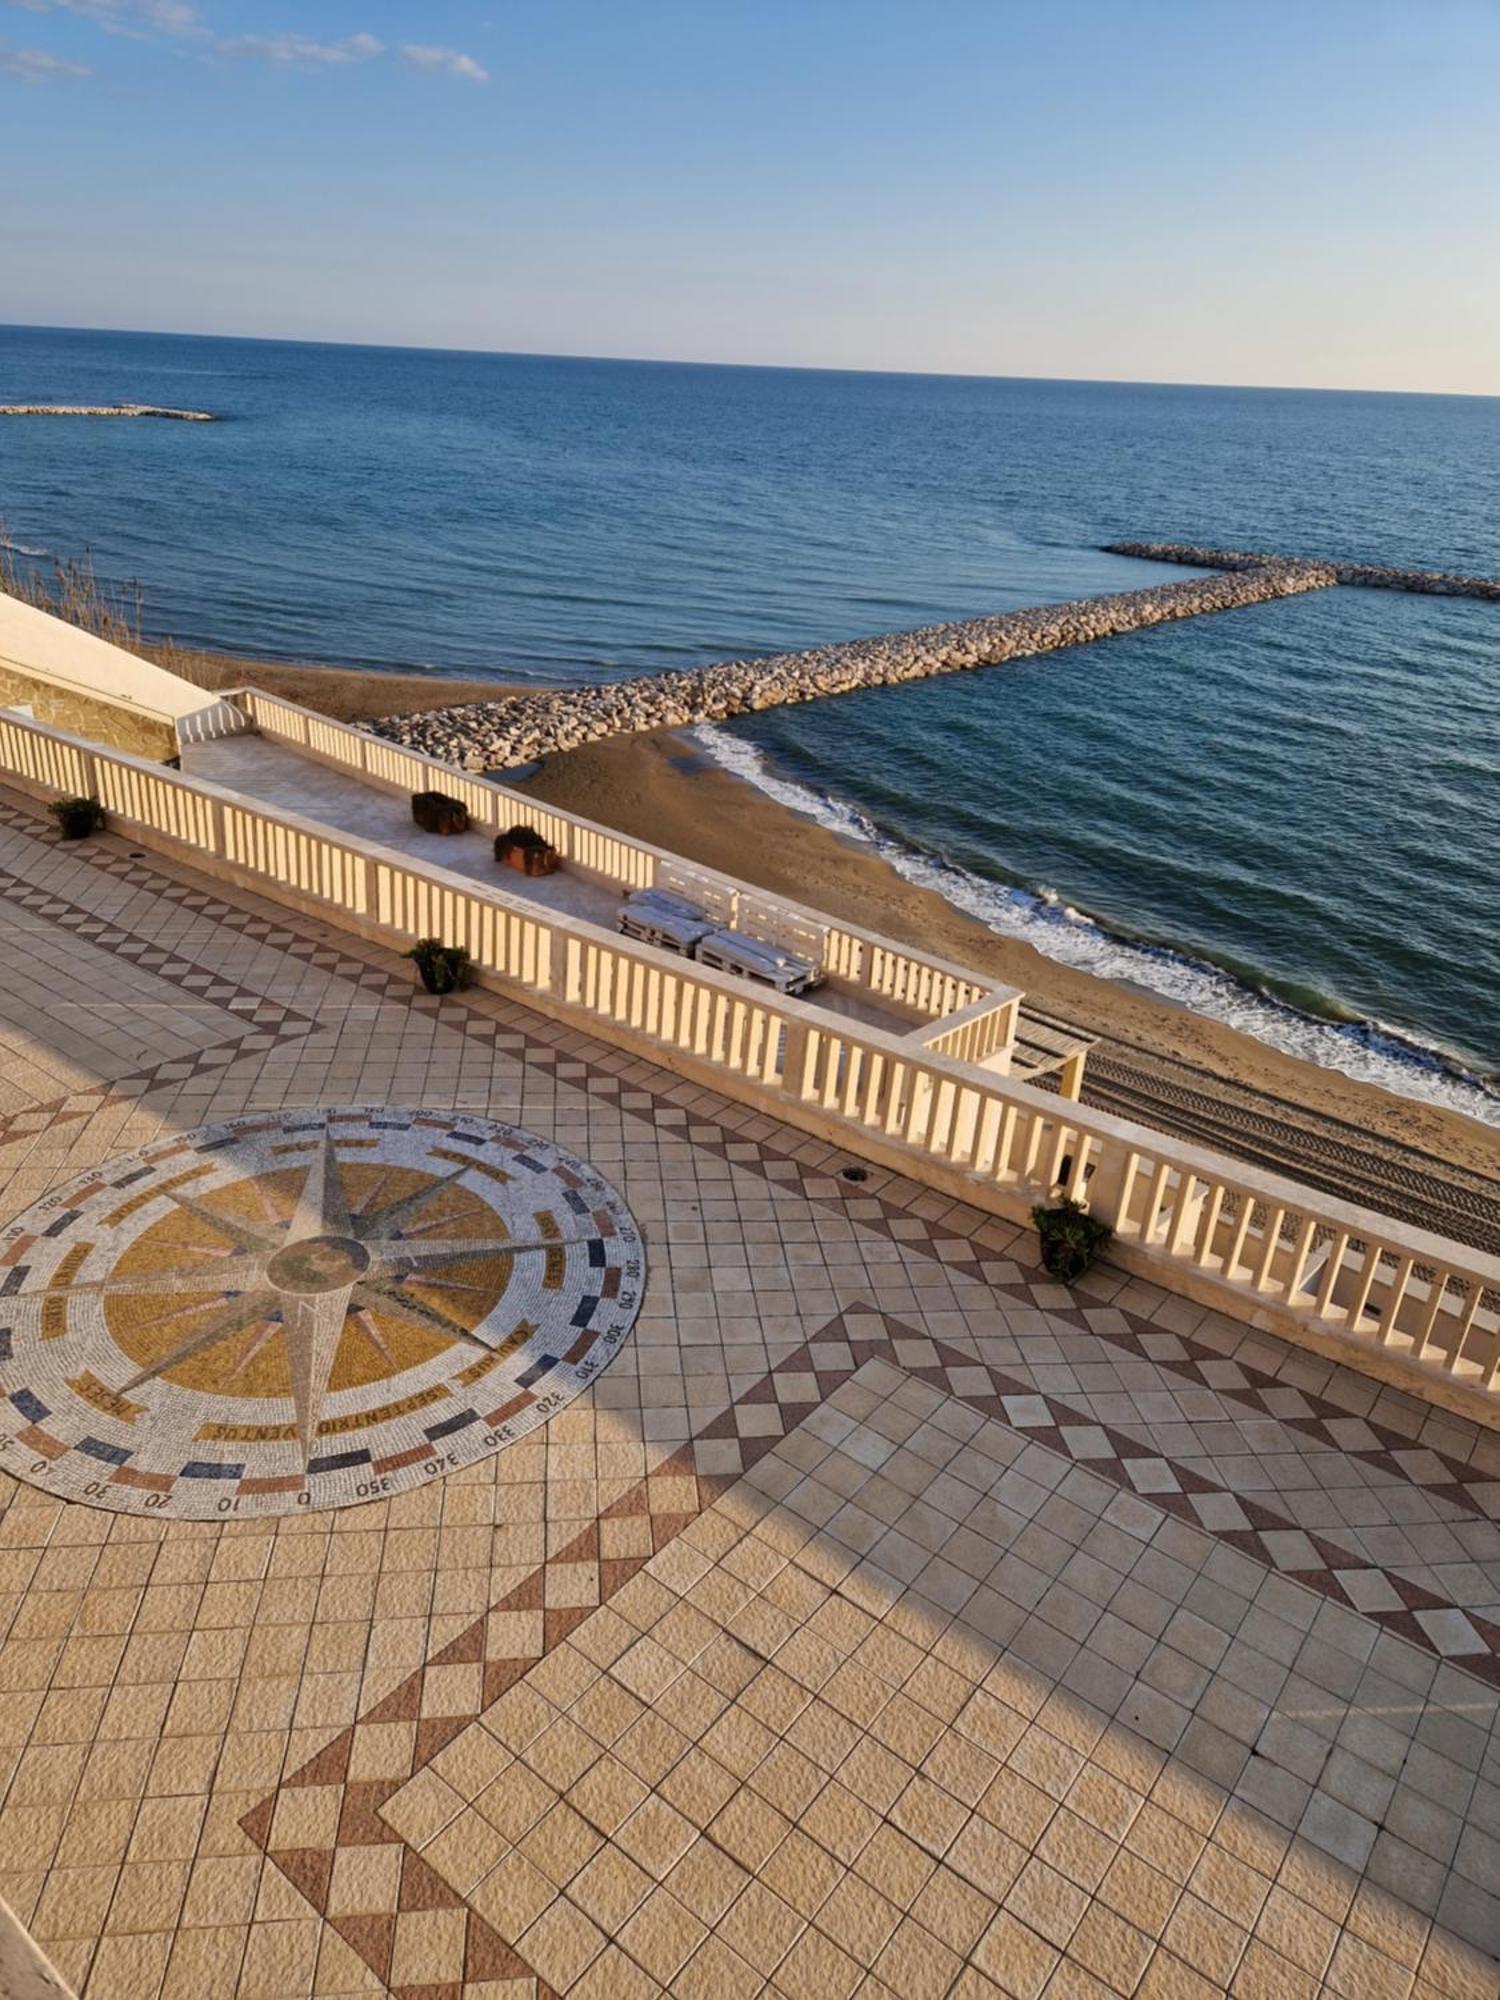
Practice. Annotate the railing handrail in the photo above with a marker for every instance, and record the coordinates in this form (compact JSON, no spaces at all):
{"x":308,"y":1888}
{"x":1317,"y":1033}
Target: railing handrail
{"x":944,"y":968}
{"x":962,"y":1017}
{"x":1183,"y":1157}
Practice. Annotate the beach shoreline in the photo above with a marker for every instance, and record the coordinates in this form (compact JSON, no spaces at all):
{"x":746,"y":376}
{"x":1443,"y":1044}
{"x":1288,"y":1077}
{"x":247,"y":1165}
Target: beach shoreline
{"x":661,"y":787}
{"x":346,"y":694}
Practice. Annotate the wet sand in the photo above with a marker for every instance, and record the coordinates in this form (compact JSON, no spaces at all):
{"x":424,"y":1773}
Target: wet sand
{"x":659,"y":788}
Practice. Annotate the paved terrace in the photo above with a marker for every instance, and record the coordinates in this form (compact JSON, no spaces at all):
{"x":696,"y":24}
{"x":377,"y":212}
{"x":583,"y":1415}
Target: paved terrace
{"x":881,"y":1619}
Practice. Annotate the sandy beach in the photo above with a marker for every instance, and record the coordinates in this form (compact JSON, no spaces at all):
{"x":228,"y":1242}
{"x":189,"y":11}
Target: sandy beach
{"x":348,"y":694}
{"x":1154,"y":1058}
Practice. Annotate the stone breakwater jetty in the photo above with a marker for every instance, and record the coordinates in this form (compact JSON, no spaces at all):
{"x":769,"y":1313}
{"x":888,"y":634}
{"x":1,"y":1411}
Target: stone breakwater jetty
{"x":1369,"y":576}
{"x":493,"y":735}
{"x":105,"y":410}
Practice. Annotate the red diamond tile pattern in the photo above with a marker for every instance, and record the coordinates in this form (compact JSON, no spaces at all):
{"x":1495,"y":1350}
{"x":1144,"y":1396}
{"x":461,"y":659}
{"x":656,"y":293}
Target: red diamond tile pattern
{"x":607,"y":1554}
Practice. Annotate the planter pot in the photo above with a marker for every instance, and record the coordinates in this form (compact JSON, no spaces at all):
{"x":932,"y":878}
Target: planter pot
{"x":78,"y":818}
{"x":524,"y":849}
{"x":442,"y":968}
{"x":435,"y":812}
{"x":533,"y":860}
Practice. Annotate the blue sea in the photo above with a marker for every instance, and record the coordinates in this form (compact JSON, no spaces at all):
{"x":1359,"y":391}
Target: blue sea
{"x":1287,"y":817}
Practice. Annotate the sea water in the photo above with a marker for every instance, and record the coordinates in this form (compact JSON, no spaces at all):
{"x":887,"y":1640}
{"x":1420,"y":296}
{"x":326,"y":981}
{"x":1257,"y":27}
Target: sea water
{"x":1287,"y":817}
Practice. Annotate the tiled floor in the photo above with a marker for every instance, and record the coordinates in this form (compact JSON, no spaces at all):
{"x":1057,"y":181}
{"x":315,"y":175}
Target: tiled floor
{"x":881,"y":1620}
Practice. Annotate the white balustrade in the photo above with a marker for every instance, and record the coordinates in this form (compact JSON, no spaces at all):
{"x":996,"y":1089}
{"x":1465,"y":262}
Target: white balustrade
{"x":1268,"y":1248}
{"x":926,"y":987}
{"x":975,"y":1033}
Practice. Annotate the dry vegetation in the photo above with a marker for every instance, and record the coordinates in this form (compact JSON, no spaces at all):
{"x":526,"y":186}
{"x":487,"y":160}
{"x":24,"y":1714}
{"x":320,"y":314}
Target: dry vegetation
{"x":114,"y":612}
{"x":71,"y":590}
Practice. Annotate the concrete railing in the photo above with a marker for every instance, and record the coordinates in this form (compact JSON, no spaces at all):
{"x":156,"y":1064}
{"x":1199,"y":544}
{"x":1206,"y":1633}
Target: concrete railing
{"x":976,"y":1033}
{"x":900,"y":977}
{"x":1396,"y":1301}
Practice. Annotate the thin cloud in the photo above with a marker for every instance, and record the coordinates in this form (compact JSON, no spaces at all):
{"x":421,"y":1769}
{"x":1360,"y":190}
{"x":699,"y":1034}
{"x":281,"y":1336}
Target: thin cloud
{"x":443,"y":62}
{"x":124,"y":17}
{"x":181,"y":20}
{"x":299,"y":51}
{"x":37,"y":65}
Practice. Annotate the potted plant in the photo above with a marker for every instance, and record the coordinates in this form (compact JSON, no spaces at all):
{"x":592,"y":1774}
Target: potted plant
{"x":77,"y":818}
{"x":1071,"y":1238}
{"x":443,"y":967}
{"x":435,"y":812}
{"x":523,"y":848}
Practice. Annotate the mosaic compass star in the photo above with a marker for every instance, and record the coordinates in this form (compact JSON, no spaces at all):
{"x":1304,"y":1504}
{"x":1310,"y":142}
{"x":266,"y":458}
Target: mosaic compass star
{"x":305,"y":1310}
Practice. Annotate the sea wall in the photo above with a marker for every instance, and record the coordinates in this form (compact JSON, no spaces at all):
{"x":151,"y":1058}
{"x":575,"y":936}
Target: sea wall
{"x":491,"y":735}
{"x":1370,"y":576}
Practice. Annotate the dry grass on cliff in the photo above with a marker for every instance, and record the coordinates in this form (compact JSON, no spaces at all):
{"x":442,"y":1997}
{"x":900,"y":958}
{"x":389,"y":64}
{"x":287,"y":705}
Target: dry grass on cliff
{"x":72,"y":591}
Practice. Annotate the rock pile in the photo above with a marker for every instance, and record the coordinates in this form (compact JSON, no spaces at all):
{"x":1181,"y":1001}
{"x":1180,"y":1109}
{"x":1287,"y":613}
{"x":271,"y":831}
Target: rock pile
{"x":1371,"y":576}
{"x":493,"y":735}
{"x":104,"y":410}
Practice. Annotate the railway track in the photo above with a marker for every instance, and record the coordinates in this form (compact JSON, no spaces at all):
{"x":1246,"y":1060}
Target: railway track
{"x":1287,"y":1138}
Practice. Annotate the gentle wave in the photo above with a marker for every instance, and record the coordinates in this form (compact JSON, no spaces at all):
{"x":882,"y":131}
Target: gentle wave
{"x":1368,"y":1050}
{"x":1301,"y":795}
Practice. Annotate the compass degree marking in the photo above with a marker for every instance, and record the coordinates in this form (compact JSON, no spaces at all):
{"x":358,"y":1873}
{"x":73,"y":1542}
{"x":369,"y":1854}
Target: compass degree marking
{"x":301,"y":1292}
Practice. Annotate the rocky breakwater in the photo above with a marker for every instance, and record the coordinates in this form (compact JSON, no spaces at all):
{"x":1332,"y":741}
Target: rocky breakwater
{"x":1370,"y":576}
{"x":493,"y":735}
{"x":104,"y":410}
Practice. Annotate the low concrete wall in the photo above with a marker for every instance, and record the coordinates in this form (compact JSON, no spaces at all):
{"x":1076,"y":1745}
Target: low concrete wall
{"x":83,"y":684}
{"x":493,"y":735}
{"x":1368,"y":576}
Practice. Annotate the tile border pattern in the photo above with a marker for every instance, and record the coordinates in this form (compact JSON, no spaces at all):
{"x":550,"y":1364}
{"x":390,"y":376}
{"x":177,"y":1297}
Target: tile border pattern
{"x":572,"y":1584}
{"x":963,"y":1241}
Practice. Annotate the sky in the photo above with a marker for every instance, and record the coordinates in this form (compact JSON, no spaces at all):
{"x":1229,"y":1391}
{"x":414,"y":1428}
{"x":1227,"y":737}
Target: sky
{"x":1147,"y":190}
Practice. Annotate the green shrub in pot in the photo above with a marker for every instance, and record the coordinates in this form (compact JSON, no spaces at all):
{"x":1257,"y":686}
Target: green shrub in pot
{"x":77,"y":818}
{"x":1071,"y":1238}
{"x":444,"y":968}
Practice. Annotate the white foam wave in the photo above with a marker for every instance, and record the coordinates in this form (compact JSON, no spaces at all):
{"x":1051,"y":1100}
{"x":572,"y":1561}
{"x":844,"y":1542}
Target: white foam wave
{"x":1370,"y":1051}
{"x":23,"y":549}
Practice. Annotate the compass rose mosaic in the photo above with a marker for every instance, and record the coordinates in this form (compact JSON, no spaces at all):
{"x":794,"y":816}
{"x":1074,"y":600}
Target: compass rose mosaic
{"x":305,"y":1310}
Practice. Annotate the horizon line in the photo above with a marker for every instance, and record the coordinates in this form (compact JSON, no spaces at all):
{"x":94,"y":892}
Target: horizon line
{"x":763,"y":367}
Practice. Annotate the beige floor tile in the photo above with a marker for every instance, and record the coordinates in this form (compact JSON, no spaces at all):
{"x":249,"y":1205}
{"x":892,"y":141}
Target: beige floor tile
{"x":924,"y":1703}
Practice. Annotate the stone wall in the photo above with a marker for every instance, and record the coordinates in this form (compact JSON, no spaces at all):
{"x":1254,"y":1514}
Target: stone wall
{"x":1370,"y":576}
{"x":493,"y":735}
{"x":83,"y":715}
